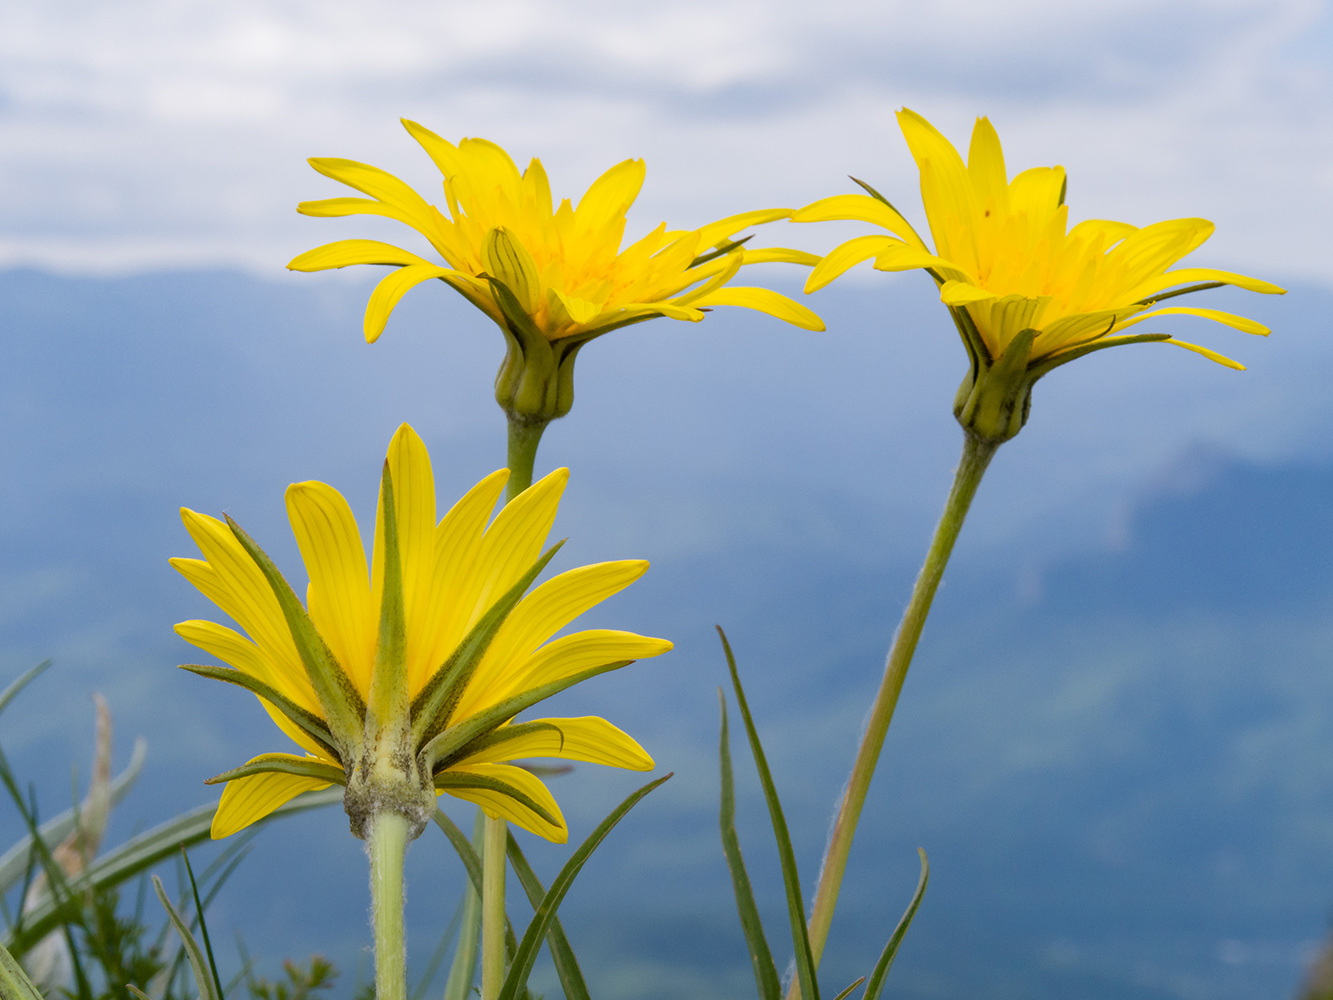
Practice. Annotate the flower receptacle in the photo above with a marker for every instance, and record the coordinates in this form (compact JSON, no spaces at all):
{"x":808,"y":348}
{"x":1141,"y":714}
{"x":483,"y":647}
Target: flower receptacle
{"x":388,"y":778}
{"x":993,"y":400}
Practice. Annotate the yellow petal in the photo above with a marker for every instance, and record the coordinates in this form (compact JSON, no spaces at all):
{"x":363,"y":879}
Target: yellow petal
{"x":1211,"y":355}
{"x":961,"y":293}
{"x":610,"y":196}
{"x":557,"y":660}
{"x":985,"y":167}
{"x":248,"y":800}
{"x":846,"y":256}
{"x":497,"y":805}
{"x":860,"y":208}
{"x":392,"y":288}
{"x":458,"y":539}
{"x":344,"y":253}
{"x":406,"y":204}
{"x":588,"y":738}
{"x":766,"y":301}
{"x":780,"y":255}
{"x":1241,"y":323}
{"x":338,"y":597}
{"x":722,"y":229}
{"x":233,"y":648}
{"x":1192,"y":275}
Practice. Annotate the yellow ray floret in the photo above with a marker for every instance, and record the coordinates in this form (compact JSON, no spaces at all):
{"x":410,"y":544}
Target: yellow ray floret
{"x":1007,"y":262}
{"x":453,"y":579}
{"x":563,"y":264}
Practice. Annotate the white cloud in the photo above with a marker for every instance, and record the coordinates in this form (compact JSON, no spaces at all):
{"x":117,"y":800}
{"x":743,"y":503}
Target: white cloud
{"x":159,"y":132}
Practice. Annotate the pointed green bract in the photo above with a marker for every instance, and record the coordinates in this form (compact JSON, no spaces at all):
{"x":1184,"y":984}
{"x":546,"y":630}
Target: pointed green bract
{"x":275,"y":763}
{"x":805,"y":963}
{"x":877,"y":978}
{"x":432,"y":706}
{"x":454,"y":742}
{"x":342,"y":706}
{"x":310,"y":723}
{"x":504,"y":734}
{"x":521,"y":967}
{"x":761,"y":957}
{"x":388,"y":686}
{"x":455,"y":779}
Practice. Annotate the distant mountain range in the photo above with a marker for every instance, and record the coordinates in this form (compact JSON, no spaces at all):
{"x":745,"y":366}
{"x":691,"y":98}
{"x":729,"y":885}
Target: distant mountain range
{"x":1116,"y":744}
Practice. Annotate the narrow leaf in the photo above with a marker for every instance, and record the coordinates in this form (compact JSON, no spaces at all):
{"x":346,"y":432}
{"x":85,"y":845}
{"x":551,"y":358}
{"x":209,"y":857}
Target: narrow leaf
{"x":844,"y":994}
{"x":431,"y":707}
{"x":890,"y":952}
{"x":15,"y":860}
{"x":24,"y":679}
{"x":203,"y":924}
{"x":765,"y":972}
{"x":388,"y":685}
{"x":207,"y":991}
{"x":567,"y":968}
{"x":471,"y":858}
{"x":521,"y":967}
{"x":805,"y":962}
{"x":148,"y":848}
{"x":463,"y":971}
{"x":14,"y":982}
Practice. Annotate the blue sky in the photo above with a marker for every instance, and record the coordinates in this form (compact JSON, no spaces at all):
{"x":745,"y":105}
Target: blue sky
{"x":161,"y":133}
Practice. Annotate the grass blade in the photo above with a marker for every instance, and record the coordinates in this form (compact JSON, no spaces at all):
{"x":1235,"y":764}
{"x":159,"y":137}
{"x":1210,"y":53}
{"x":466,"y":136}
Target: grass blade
{"x":203,"y":924}
{"x":572,"y":983}
{"x":463,"y":971}
{"x":148,"y":848}
{"x":14,"y":982}
{"x":24,"y":679}
{"x":876,"y":985}
{"x":805,"y":962}
{"x":15,"y":860}
{"x":207,"y":991}
{"x":765,"y":972}
{"x":521,"y":966}
{"x":471,"y":859}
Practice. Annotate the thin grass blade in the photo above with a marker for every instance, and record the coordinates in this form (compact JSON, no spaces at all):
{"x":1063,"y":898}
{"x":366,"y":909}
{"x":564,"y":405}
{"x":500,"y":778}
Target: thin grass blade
{"x":572,"y":983}
{"x":805,"y":962}
{"x":881,"y":971}
{"x":463,"y":971}
{"x":14,"y":982}
{"x":471,"y":859}
{"x":198,"y":963}
{"x":203,"y":924}
{"x":521,"y":967}
{"x":24,"y":679}
{"x":761,"y":957}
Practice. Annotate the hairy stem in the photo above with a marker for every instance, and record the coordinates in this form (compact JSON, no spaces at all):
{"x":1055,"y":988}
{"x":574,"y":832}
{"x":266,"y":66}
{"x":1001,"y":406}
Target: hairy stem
{"x":387,"y":847}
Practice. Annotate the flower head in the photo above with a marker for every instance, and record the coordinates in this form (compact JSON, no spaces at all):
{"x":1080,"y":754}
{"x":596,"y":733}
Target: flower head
{"x":401,"y":679}
{"x":552,"y":277}
{"x":1026,"y":292}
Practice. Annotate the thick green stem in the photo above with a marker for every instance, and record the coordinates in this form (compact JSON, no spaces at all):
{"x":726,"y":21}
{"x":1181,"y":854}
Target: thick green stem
{"x":493,"y":908}
{"x":387,"y":847}
{"x":976,"y":456}
{"x":524,"y":436}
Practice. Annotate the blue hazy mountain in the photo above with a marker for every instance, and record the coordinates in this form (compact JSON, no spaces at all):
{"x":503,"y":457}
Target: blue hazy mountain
{"x":1116,"y":743}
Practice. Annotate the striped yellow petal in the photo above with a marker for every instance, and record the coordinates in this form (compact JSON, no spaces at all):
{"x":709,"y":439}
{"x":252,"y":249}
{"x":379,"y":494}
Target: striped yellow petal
{"x":338,"y":597}
{"x":589,"y":739}
{"x":498,"y":805}
{"x":248,"y":800}
{"x":846,"y":256}
{"x":392,"y":288}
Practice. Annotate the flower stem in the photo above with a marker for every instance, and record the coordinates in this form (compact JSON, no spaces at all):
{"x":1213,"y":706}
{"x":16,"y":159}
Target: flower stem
{"x":977,"y":454}
{"x":493,"y":908}
{"x":524,"y":436}
{"x":387,"y":847}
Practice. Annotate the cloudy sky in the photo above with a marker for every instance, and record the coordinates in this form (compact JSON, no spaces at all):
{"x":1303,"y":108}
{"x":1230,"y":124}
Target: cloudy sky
{"x":151,"y":134}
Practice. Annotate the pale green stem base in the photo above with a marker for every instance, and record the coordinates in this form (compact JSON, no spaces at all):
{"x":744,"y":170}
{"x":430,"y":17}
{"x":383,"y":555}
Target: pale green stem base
{"x":387,"y":847}
{"x":976,"y":456}
{"x":493,"y":908}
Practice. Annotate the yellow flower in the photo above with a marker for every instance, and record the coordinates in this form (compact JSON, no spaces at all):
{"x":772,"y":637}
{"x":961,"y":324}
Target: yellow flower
{"x":1026,"y":292}
{"x":545,"y":274}
{"x":402,"y":680}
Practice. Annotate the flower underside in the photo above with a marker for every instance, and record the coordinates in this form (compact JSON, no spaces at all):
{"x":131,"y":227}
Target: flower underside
{"x":1009,"y":268}
{"x":563,"y":265}
{"x":401,"y":680}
